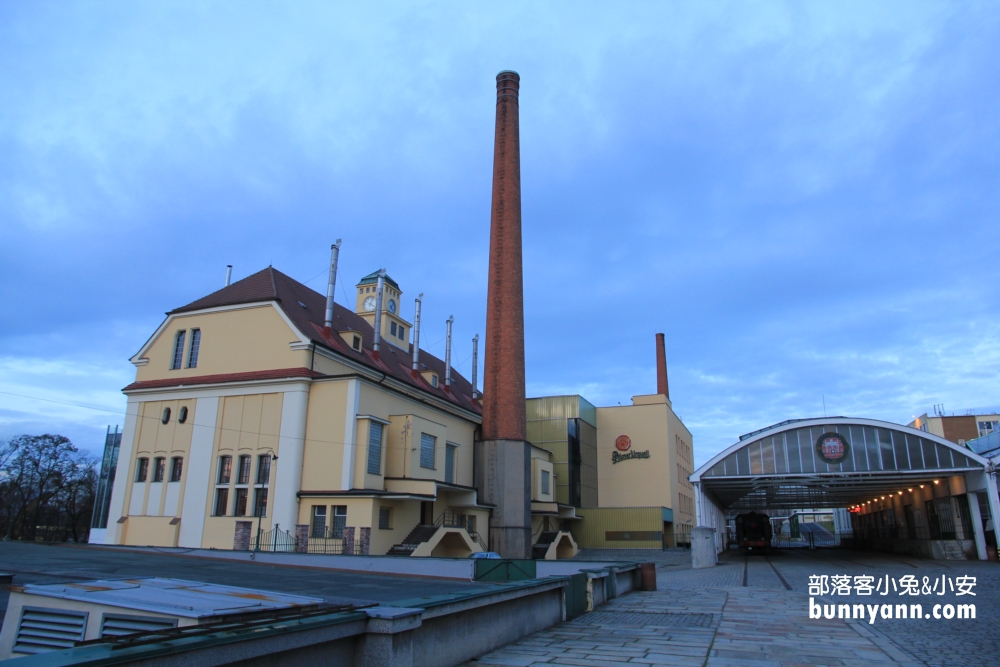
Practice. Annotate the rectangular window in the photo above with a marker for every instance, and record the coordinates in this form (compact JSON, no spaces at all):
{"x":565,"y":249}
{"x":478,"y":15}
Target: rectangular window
{"x":385,"y":518}
{"x":225,"y":469}
{"x":374,"y":448}
{"x":176,"y":468}
{"x":141,"y":469}
{"x":427,"y":445}
{"x":263,"y":469}
{"x":195,"y":344}
{"x":402,"y":333}
{"x":392,"y":328}
{"x":260,"y":502}
{"x":545,"y":482}
{"x":221,"y":502}
{"x":357,"y":343}
{"x":434,"y":380}
{"x":339,"y":521}
{"x":159,"y":468}
{"x":449,"y":463}
{"x":244,"y":471}
{"x":178,"y":357}
{"x":240,"y":506}
{"x":319,"y":521}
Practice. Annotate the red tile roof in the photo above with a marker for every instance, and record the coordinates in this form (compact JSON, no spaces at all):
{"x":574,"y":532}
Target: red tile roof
{"x":306,"y":308}
{"x":274,"y":374}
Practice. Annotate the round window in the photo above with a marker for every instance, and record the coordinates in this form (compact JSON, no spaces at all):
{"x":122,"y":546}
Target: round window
{"x":182,"y":415}
{"x":166,"y":415}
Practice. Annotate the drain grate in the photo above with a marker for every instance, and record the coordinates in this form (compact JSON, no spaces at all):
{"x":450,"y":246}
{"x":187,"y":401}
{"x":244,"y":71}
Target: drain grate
{"x":643,"y":619}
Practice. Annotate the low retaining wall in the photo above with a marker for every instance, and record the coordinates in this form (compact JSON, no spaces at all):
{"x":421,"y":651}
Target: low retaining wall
{"x":445,"y":630}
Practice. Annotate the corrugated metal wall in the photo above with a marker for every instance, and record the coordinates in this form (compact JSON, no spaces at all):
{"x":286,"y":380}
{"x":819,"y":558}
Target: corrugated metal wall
{"x":620,"y":528}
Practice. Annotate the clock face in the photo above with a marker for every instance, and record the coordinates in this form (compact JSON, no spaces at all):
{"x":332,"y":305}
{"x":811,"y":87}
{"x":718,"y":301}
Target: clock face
{"x":369,"y":304}
{"x":392,"y":306}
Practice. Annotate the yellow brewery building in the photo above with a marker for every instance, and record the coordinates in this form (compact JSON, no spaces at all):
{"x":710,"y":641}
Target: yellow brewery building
{"x":266,"y":415}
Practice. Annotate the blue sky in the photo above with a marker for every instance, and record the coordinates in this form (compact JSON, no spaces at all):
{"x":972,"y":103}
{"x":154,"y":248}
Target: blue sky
{"x":803,"y":197}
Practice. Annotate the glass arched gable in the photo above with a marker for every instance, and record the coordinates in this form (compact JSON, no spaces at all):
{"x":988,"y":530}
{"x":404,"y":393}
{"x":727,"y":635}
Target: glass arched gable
{"x":871,"y":447}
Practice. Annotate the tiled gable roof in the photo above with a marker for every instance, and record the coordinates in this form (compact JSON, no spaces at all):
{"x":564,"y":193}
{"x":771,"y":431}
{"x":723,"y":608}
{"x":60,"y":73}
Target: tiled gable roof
{"x":306,"y":308}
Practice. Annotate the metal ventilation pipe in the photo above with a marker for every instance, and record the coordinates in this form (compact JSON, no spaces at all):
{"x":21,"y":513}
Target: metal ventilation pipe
{"x":378,"y":312}
{"x":416,"y":333}
{"x":330,"y":285}
{"x":475,"y":365}
{"x":447,"y":352}
{"x":229,"y":275}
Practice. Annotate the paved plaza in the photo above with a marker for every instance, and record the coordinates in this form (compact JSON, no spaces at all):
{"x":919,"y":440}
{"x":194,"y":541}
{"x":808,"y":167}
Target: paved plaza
{"x":754,"y":612}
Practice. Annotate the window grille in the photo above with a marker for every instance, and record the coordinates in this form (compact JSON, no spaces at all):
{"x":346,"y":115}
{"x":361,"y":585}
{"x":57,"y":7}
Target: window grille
{"x":176,"y":467}
{"x":116,"y":625}
{"x":427,"y":445}
{"x":225,"y":469}
{"x":244,"y":476}
{"x":159,"y":468}
{"x":319,"y":521}
{"x":221,"y":502}
{"x":195,"y":344}
{"x":41,"y":629}
{"x":240,"y":507}
{"x":263,"y":469}
{"x":339,"y":521}
{"x":449,"y":463}
{"x":178,"y":358}
{"x":374,"y":448}
{"x":384,"y":516}
{"x":260,"y":502}
{"x":141,"y":469}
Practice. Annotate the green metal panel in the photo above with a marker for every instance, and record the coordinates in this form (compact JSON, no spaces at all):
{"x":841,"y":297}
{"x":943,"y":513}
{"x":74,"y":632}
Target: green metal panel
{"x":505,"y":570}
{"x":668,"y":514}
{"x":586,"y":411}
{"x":576,"y":595}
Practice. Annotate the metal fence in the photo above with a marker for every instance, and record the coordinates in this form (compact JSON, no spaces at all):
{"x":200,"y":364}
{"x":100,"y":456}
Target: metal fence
{"x":332,"y":545}
{"x":275,"y":539}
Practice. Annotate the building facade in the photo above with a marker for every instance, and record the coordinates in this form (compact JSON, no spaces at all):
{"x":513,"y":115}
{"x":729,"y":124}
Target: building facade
{"x":246,"y":407}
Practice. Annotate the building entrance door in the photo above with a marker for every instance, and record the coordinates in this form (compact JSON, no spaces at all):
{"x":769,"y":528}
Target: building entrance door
{"x":426,"y":513}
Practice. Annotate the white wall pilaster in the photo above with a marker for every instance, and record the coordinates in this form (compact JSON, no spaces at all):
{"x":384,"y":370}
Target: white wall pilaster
{"x":350,"y":434}
{"x":123,"y":473}
{"x":197,"y":488}
{"x":291,"y":449}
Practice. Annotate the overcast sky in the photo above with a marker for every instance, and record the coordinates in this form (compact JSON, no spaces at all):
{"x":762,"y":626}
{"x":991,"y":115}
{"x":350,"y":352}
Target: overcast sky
{"x":803,"y":197}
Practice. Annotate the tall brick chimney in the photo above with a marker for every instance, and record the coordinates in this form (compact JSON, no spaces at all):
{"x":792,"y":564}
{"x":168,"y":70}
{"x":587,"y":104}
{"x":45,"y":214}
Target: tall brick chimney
{"x":503,"y":458}
{"x":661,"y":367}
{"x":503,"y":372}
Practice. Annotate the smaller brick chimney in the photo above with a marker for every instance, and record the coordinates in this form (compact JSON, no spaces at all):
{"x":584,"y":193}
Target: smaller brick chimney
{"x":661,"y":367}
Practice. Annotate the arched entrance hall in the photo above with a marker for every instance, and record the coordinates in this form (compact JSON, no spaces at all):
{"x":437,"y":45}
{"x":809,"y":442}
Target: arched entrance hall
{"x":902,"y":486}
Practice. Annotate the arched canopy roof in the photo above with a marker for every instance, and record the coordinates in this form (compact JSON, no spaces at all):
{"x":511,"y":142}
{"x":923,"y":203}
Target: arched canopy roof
{"x":783,"y":466}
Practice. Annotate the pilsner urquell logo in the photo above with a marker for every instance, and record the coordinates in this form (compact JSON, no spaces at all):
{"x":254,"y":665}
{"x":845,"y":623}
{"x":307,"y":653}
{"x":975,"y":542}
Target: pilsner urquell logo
{"x":622,"y":443}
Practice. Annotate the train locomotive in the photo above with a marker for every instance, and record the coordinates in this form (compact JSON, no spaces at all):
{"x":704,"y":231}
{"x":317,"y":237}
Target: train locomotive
{"x":753,"y":532}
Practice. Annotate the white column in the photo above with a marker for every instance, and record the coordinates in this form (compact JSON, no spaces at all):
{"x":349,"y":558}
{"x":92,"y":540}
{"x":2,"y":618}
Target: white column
{"x":991,"y":493}
{"x":977,"y":524}
{"x":291,"y":451}
{"x":123,"y":473}
{"x":198,"y":486}
{"x":350,"y":434}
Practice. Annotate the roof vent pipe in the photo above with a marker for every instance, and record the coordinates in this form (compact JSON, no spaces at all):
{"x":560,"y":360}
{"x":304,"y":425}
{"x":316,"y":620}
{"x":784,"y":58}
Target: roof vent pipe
{"x":229,"y":275}
{"x":416,"y":333}
{"x":330,"y":285}
{"x":447,"y":353}
{"x":378,"y":312}
{"x":475,"y":366}
{"x":661,"y":367}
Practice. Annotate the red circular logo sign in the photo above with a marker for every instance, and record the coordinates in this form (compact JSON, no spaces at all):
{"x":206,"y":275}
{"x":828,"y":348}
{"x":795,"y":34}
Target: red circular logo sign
{"x":622,"y":443}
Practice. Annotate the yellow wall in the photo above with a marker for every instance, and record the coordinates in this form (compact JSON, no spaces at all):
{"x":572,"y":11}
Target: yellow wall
{"x":636,"y":482}
{"x":323,"y":458}
{"x":263,"y":337}
{"x":245,"y":425}
{"x":154,"y":531}
{"x":592,"y":532}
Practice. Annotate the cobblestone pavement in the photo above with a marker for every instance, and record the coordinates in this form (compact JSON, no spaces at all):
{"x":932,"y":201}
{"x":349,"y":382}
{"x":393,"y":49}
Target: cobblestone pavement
{"x":754,"y":612}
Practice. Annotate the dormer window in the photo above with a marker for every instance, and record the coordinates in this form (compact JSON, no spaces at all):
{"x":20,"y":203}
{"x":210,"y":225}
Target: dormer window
{"x":434,"y":380}
{"x":356,"y":343}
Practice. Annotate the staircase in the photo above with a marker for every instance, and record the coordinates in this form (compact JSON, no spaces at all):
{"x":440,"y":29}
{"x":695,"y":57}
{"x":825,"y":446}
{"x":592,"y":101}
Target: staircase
{"x":545,"y":540}
{"x":952,"y":550}
{"x":417,"y":536}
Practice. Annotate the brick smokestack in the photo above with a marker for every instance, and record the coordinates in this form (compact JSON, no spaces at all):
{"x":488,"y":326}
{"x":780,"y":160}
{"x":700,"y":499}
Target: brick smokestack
{"x":503,"y":367}
{"x":661,"y":367}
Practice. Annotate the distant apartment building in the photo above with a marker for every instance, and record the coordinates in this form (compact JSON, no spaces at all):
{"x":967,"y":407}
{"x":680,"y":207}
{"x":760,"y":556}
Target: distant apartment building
{"x":958,"y":428}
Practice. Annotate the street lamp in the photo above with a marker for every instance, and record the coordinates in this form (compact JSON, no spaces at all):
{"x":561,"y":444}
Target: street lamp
{"x":259,"y":507}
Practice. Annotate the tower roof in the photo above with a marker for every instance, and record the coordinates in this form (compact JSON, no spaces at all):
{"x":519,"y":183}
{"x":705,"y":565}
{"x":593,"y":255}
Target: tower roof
{"x":372,"y":278}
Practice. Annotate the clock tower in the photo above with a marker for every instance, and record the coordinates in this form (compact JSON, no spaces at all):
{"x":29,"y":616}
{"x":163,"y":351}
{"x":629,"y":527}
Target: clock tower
{"x":395,"y":330}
